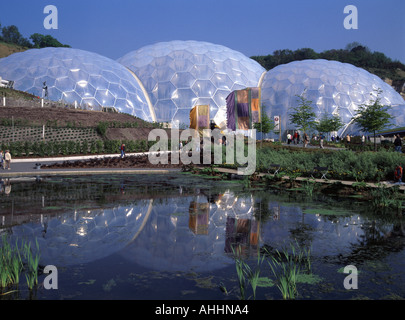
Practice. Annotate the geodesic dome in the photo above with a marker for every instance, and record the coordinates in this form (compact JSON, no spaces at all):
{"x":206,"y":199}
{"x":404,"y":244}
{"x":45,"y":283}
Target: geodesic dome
{"x":73,"y":75}
{"x":179,"y":75}
{"x":333,"y":87}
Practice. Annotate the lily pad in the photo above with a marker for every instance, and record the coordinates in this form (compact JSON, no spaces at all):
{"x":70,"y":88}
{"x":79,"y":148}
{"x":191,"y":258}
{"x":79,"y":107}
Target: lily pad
{"x":265,"y":282}
{"x":308,"y":278}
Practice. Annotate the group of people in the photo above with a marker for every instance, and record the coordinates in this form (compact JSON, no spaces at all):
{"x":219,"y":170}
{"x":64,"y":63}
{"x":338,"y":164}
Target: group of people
{"x":5,"y":160}
{"x":295,"y":138}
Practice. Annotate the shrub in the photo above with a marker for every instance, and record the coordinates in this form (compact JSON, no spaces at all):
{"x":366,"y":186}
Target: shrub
{"x":102,"y":127}
{"x":344,"y":164}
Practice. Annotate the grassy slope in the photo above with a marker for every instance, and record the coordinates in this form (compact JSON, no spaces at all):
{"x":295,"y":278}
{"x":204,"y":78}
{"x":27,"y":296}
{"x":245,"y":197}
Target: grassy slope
{"x":6,"y":49}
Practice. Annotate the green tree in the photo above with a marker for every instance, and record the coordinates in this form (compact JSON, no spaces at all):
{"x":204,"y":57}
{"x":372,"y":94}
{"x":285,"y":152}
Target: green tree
{"x":303,"y":115}
{"x":266,"y":125}
{"x":44,"y":41}
{"x":12,"y":35}
{"x":329,"y":123}
{"x":373,"y":117}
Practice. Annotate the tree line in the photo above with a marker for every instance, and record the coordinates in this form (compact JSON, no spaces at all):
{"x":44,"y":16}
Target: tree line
{"x":354,"y":53}
{"x":11,"y":34}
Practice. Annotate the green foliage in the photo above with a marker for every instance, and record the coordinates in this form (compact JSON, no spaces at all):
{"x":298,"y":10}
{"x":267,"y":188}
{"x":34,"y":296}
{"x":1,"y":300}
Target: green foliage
{"x":43,"y":41}
{"x":373,"y":117}
{"x":71,"y":147}
{"x":102,"y":127}
{"x":329,"y":123}
{"x":303,"y":115}
{"x":17,"y":259}
{"x":343,"y":164}
{"x":266,"y":125}
{"x":11,"y":34}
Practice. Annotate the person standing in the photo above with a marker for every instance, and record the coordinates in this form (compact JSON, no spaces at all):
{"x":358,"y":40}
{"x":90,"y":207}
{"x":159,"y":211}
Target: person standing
{"x":398,"y":143}
{"x":288,"y":138}
{"x":122,"y":150}
{"x":295,"y":137}
{"x":321,"y":138}
{"x":7,"y":159}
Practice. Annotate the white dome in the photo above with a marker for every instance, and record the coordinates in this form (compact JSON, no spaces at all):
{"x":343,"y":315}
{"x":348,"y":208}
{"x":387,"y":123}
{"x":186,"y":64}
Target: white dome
{"x":179,"y":75}
{"x":333,"y":87}
{"x":73,"y":75}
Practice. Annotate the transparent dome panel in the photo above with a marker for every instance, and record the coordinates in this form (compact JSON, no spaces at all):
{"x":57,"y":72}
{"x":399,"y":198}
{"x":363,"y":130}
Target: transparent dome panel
{"x":69,"y":71}
{"x":189,"y":66}
{"x":330,"y":85}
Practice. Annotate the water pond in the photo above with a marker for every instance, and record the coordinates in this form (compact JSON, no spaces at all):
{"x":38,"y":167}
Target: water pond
{"x":183,"y":237}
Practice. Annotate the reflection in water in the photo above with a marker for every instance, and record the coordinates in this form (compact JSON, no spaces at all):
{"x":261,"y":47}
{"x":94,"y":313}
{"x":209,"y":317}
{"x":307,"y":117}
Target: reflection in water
{"x":84,"y":236}
{"x":184,"y":225}
{"x":192,"y":233}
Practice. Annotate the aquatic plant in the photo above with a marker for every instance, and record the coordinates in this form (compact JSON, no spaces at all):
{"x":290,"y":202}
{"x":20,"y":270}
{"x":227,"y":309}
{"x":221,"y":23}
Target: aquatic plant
{"x":309,"y":186}
{"x":247,"y":275}
{"x":17,"y":259}
{"x":287,"y":267}
{"x":383,"y":196}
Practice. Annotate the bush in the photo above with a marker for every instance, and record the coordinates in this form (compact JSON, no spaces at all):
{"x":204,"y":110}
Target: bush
{"x":343,"y":165}
{"x":102,"y":127}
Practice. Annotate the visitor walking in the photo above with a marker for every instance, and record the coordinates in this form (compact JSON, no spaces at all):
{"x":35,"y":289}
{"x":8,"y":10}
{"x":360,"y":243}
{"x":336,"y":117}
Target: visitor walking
{"x":2,"y":163}
{"x":298,"y":137}
{"x":398,"y":143}
{"x":7,"y":158}
{"x":295,"y":137}
{"x":321,"y":138}
{"x":306,"y":140}
{"x":122,"y":151}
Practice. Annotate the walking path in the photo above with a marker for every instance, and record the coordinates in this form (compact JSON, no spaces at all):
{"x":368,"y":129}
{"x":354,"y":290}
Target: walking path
{"x":29,"y":167}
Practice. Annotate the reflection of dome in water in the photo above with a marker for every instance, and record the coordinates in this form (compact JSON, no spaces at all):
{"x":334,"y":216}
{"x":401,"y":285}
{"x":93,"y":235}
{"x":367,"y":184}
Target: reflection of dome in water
{"x":179,"y":75}
{"x":333,"y":87}
{"x":85,"y":236}
{"x":73,"y":75}
{"x":185,"y":234}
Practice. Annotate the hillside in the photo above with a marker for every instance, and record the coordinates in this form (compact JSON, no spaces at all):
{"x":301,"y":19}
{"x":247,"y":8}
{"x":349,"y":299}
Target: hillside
{"x":28,"y":122}
{"x":392,"y":72}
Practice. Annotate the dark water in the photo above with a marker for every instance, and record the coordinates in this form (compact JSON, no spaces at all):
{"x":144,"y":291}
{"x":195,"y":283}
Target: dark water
{"x":174,"y":237}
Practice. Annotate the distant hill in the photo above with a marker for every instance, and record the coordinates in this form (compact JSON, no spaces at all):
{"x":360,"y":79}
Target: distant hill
{"x":392,"y":72}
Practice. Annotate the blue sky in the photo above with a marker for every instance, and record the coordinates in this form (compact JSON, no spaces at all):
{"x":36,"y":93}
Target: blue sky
{"x":253,"y":27}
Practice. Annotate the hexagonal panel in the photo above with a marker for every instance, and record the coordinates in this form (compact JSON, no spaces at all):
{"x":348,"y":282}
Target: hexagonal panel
{"x":330,"y":85}
{"x":77,"y":73}
{"x":193,"y":64}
